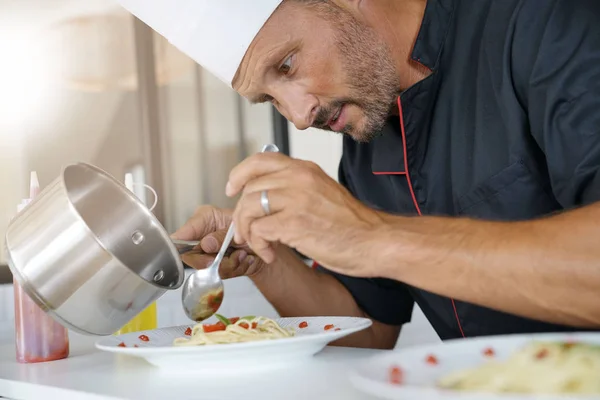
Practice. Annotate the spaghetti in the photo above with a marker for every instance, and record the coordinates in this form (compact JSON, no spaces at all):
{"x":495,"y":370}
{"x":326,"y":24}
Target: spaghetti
{"x":248,"y":329}
{"x":538,"y":368}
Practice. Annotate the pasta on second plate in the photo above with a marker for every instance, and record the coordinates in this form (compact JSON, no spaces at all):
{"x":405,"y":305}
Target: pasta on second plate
{"x":538,"y":368}
{"x":247,"y":329}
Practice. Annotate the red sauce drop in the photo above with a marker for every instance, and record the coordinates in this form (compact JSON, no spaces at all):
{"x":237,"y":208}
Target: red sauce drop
{"x":188,"y":332}
{"x":337,"y":329}
{"x":396,"y":375}
{"x":543,"y":353}
{"x":122,"y":344}
{"x":489,"y":352}
{"x":328,"y":327}
{"x":303,"y":325}
{"x":144,"y":338}
{"x":135,"y":345}
{"x":432,"y":360}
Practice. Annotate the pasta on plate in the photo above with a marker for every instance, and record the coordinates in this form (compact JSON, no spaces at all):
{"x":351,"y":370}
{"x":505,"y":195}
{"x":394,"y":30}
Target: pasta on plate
{"x":538,"y":368}
{"x":247,"y":329}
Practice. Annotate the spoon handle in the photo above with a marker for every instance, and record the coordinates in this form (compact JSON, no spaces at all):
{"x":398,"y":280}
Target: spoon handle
{"x":225,"y":245}
{"x":269,"y":148}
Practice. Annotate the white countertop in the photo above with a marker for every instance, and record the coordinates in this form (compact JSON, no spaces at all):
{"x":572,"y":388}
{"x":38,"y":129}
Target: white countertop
{"x":91,"y":374}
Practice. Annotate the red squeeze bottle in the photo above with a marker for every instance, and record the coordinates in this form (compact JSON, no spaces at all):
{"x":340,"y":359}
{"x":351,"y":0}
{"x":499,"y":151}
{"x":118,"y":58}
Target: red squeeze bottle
{"x":38,"y":337}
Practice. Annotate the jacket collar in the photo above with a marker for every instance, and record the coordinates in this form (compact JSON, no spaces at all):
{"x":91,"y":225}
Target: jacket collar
{"x":388,"y":148}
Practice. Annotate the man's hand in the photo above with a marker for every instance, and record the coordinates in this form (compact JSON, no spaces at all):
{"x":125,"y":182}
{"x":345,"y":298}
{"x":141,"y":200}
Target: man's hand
{"x":209,"y":225}
{"x":309,"y":212}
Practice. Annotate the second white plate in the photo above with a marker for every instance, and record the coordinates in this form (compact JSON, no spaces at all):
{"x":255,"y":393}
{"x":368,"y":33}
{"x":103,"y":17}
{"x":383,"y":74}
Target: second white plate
{"x":422,"y":367}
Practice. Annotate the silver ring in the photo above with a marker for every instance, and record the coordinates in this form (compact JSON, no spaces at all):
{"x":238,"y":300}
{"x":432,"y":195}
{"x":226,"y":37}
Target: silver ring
{"x":264,"y":202}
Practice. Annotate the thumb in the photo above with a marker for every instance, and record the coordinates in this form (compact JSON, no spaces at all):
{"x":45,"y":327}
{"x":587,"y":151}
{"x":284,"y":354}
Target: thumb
{"x":212,"y":242}
{"x":206,"y":220}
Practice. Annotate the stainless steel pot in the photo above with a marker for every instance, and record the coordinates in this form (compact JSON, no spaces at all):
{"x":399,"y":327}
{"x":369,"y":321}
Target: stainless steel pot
{"x":90,"y":253}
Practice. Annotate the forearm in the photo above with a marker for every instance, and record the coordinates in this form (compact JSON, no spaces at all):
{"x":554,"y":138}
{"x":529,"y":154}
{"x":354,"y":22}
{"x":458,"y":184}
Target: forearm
{"x":547,"y":269}
{"x":296,"y":290}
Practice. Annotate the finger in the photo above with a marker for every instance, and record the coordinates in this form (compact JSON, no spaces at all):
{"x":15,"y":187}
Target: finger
{"x":263,"y":248}
{"x":234,"y":265}
{"x":254,"y":167}
{"x":206,"y":220}
{"x":274,"y":228}
{"x":239,"y":263}
{"x":212,"y":242}
{"x":198,"y":260}
{"x":278,"y":180}
{"x":249,"y":210}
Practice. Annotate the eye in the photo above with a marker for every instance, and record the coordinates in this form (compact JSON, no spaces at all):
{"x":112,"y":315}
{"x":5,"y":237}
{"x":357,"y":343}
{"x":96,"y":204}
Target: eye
{"x":286,"y":67}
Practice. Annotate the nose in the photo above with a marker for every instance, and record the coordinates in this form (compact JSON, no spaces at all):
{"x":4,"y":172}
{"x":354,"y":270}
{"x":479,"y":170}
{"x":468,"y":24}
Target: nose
{"x":298,"y":107}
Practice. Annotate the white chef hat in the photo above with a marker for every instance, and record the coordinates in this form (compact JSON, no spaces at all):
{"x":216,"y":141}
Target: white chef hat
{"x":214,"y":33}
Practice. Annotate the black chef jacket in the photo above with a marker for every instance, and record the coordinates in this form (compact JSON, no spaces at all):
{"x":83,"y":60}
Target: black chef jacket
{"x":507,"y":127}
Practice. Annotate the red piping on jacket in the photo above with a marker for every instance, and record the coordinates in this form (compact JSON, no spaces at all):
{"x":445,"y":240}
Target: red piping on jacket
{"x":412,"y":193}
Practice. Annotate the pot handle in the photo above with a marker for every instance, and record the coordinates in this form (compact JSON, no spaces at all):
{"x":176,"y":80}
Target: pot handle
{"x":151,"y":189}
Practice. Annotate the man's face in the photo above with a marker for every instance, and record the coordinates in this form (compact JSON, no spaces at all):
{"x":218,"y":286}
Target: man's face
{"x":323,"y":68}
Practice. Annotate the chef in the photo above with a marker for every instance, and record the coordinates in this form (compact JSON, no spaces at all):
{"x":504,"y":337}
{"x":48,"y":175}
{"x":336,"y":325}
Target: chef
{"x":470,"y":176}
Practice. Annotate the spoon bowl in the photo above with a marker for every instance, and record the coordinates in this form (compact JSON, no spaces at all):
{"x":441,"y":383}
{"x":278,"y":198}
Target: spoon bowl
{"x":203,"y":291}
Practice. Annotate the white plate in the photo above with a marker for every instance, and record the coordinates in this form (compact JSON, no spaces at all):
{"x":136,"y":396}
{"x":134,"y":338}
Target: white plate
{"x":159,"y":349}
{"x":420,"y":377}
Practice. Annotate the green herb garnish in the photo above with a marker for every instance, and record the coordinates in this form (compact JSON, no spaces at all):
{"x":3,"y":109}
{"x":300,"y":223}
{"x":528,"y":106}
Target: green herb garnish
{"x":223,"y":319}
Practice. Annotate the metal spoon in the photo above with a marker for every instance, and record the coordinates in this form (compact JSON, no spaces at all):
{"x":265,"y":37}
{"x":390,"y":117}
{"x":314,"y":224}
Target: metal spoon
{"x":203,"y":290}
{"x":185,"y":246}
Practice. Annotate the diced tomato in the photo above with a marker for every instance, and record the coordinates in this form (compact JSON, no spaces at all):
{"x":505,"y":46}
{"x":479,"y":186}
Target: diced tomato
{"x":432,"y":360}
{"x":489,"y":352}
{"x":328,"y":327}
{"x":254,"y":325}
{"x":219,"y":326}
{"x":144,"y":338}
{"x":303,"y":325}
{"x":244,"y":325}
{"x":234,"y":320}
{"x":122,"y":344}
{"x":215,"y":301}
{"x":543,"y":353}
{"x":188,"y":331}
{"x":396,"y":375}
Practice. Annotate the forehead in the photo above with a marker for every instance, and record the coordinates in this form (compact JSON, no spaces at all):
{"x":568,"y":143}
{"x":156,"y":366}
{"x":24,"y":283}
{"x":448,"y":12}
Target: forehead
{"x":290,"y":26}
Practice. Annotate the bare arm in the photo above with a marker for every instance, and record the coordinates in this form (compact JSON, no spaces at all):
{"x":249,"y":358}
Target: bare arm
{"x":296,"y":290}
{"x":546,"y":269}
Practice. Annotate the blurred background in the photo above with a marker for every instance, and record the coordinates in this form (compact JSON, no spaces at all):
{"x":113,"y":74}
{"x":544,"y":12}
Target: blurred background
{"x":83,"y":81}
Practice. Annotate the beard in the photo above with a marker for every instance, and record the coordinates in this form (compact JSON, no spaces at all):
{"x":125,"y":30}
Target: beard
{"x":370,"y":75}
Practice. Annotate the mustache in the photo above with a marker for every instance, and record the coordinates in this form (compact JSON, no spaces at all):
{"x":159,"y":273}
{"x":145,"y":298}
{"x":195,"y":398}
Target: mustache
{"x":327,"y":112}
